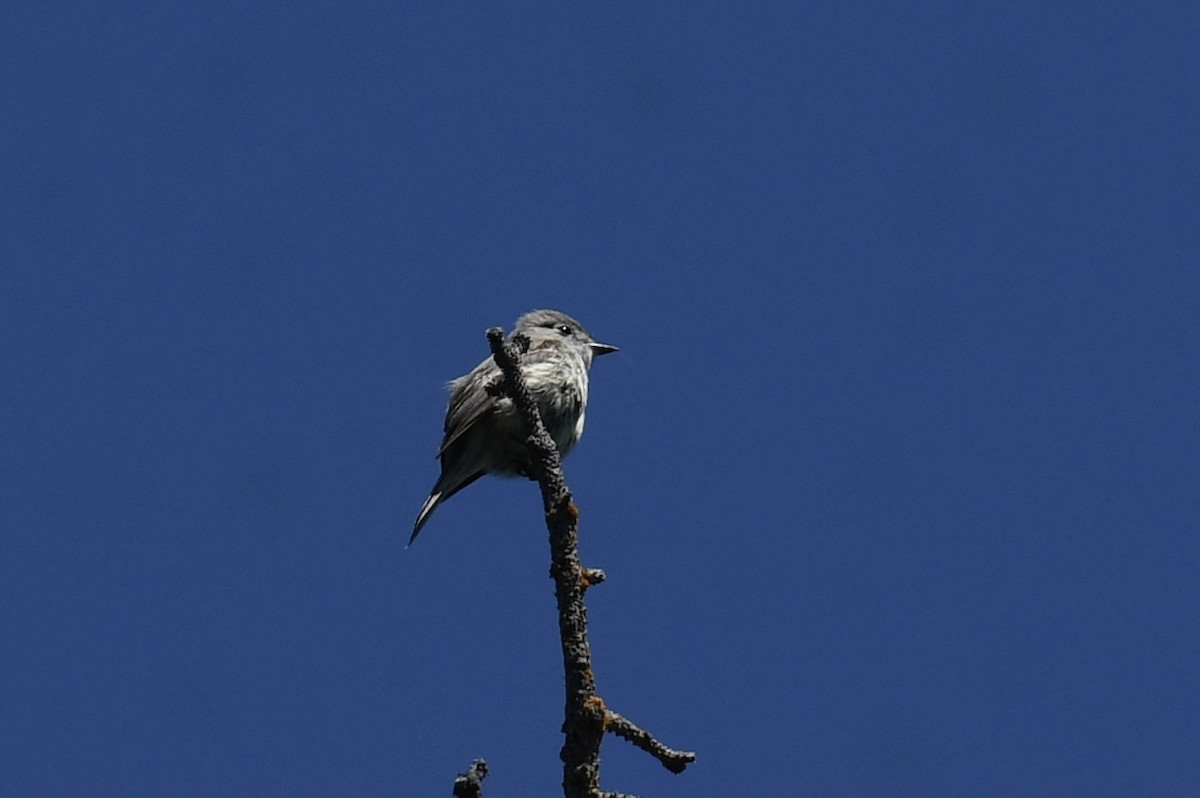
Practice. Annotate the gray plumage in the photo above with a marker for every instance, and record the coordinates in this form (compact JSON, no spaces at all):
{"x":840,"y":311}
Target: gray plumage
{"x":483,"y":432}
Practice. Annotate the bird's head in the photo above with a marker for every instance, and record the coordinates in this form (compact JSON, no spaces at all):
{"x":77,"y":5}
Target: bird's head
{"x":553,"y":328}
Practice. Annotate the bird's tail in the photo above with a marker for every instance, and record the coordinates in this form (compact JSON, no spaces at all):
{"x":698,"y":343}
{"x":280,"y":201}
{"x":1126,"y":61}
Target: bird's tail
{"x":427,"y":509}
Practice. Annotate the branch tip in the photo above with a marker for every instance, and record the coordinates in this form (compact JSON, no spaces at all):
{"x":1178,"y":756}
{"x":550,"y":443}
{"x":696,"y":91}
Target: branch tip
{"x":469,"y":783}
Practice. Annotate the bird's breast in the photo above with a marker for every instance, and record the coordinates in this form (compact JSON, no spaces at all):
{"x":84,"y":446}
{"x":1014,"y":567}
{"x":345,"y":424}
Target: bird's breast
{"x":560,"y":387}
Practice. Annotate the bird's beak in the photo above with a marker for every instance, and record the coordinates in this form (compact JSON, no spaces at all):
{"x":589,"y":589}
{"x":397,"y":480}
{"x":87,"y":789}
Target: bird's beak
{"x":601,"y":349}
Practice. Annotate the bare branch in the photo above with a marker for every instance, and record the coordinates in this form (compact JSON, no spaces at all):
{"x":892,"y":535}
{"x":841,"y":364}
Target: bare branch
{"x":586,"y":717}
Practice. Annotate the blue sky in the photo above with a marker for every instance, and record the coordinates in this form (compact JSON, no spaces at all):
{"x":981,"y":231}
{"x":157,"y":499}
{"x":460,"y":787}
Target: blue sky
{"x":895,"y":478}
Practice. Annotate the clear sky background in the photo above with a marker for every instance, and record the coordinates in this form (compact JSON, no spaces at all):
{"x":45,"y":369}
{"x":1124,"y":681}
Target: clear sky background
{"x":895,"y":479}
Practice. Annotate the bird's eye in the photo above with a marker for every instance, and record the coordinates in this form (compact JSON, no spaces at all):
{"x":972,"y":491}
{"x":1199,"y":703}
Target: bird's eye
{"x":564,"y":329}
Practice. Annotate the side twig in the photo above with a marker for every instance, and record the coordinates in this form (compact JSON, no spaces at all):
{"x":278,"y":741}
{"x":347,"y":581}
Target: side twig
{"x":586,"y":717}
{"x":672,"y":760}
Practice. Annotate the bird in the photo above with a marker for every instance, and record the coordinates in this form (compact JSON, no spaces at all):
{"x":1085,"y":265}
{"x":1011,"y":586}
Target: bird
{"x":483,"y":431}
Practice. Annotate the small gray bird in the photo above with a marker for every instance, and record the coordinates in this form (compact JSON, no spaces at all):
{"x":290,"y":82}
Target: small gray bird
{"x":484,"y":434}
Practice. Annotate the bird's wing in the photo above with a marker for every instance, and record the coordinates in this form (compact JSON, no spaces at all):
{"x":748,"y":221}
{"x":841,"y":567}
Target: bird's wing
{"x":469,"y":402}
